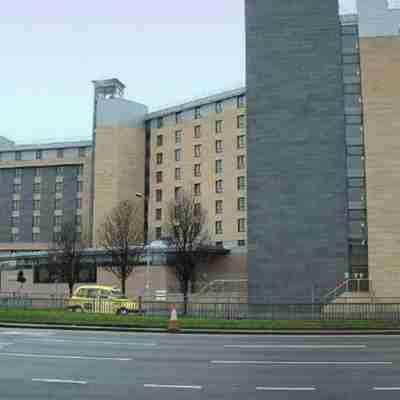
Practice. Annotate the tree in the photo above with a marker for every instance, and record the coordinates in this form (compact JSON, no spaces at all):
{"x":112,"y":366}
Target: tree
{"x":65,"y":256}
{"x":186,"y":229}
{"x":21,"y":278}
{"x":121,"y":234}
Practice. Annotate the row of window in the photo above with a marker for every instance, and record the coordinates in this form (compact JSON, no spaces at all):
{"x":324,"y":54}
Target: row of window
{"x":18,"y":172}
{"x":17,"y":187}
{"x":16,"y":204}
{"x":240,"y":123}
{"x":36,"y":236}
{"x":219,"y":108}
{"x":219,"y":188}
{"x":82,"y":152}
{"x":58,"y":219}
{"x":241,"y":142}
{"x":219,"y":169}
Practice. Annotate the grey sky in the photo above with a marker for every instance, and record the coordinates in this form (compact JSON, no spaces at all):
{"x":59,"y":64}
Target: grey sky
{"x":164,"y":51}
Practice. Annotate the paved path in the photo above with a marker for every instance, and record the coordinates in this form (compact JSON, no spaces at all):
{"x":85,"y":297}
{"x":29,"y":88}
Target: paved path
{"x":51,"y":364}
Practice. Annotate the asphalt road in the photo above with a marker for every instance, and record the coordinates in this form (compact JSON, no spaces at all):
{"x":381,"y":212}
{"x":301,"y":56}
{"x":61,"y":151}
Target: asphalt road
{"x":42,"y":365}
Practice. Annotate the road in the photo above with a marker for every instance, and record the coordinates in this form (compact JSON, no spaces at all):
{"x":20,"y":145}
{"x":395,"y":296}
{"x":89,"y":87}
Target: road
{"x":43,"y":365}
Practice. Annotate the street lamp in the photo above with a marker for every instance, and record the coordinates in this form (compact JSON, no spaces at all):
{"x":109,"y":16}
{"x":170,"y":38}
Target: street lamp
{"x":147,"y":285}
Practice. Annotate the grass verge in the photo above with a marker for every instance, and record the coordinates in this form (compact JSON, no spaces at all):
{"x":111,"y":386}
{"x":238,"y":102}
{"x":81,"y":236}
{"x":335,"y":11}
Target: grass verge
{"x":63,"y":317}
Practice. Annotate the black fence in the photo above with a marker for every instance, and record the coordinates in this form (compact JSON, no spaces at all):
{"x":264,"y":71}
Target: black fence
{"x":234,"y":311}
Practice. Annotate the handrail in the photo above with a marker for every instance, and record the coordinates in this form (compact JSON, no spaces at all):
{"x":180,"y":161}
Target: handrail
{"x":346,"y":284}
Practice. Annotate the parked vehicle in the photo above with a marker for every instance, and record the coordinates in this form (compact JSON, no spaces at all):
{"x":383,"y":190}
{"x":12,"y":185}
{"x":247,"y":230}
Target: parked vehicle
{"x":104,"y":299}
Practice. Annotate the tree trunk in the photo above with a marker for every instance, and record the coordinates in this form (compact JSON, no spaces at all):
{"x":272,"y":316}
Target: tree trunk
{"x":185,"y":298}
{"x":71,"y":288}
{"x":123,"y":284}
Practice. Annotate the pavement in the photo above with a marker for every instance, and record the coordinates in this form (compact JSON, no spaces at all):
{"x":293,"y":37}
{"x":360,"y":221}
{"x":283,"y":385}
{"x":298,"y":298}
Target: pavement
{"x":59,"y":364}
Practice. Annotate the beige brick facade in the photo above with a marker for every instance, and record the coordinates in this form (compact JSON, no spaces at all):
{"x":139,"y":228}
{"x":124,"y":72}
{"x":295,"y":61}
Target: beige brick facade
{"x":380,"y":60}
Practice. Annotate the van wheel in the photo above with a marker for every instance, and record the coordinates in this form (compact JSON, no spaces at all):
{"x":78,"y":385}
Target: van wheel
{"x":122,"y":311}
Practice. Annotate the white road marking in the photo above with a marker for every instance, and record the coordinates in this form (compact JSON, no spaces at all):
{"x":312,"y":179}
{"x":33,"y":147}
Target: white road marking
{"x":294,"y":346}
{"x":59,"y":381}
{"x":26,"y":355}
{"x":173,"y":386}
{"x":67,"y":341}
{"x":344,"y":363}
{"x":287,"y":389}
{"x":27,"y":333}
{"x":378,"y":389}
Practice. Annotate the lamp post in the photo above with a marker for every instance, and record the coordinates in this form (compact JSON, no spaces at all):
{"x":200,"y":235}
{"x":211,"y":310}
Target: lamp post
{"x":147,"y":284}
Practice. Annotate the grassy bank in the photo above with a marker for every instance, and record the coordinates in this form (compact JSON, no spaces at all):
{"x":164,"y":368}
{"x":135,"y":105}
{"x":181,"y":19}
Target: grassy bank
{"x":69,"y":318}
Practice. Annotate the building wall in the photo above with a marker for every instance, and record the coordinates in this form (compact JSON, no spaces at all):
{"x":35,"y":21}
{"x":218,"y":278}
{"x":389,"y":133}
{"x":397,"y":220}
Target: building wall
{"x":380,"y":60}
{"x":296,"y":142}
{"x":207,"y":160}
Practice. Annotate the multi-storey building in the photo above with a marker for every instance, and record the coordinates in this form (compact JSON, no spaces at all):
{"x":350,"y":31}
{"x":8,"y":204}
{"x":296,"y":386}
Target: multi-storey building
{"x":298,"y":171}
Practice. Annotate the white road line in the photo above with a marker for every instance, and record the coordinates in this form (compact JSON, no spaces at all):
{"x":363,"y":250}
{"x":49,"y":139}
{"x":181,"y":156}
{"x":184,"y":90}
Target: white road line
{"x":287,"y":389}
{"x":344,"y":363}
{"x":67,"y":341}
{"x":173,"y":386}
{"x":294,"y":346}
{"x":59,"y":381}
{"x":388,"y":389}
{"x":26,"y":355}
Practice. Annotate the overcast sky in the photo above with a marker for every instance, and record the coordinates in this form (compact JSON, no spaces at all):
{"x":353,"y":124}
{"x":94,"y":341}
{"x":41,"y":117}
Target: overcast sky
{"x":165,"y":51}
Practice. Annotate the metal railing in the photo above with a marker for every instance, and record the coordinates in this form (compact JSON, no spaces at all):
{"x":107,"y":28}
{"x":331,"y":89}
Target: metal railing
{"x":347,"y":286}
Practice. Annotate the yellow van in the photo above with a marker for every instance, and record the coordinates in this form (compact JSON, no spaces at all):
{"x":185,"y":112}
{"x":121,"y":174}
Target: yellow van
{"x":103,"y":299}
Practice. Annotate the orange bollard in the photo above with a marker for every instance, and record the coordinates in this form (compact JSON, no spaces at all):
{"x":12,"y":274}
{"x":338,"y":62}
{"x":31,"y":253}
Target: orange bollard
{"x":173,"y":326}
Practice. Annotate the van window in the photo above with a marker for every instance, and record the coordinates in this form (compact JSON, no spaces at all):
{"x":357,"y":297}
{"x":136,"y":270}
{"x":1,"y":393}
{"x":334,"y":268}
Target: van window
{"x":93,"y":293}
{"x":81,"y":293}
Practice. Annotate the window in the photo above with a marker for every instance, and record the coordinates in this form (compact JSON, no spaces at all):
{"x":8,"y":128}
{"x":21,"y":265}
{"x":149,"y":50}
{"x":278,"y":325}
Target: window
{"x":178,"y":137}
{"x":79,"y":170}
{"x":219,"y":186}
{"x":159,"y":158}
{"x":241,"y":122}
{"x":15,"y":237}
{"x":240,"y":162}
{"x":78,"y":204}
{"x":197,"y":150}
{"x":35,"y":237}
{"x":82,"y":152}
{"x":197,"y":132}
{"x":160,"y":140}
{"x":38,"y":172}
{"x":14,"y":221}
{"x":197,"y":113}
{"x":178,"y":117}
{"x":18,"y":172}
{"x":197,"y":170}
{"x":39,"y":154}
{"x":57,"y":204}
{"x":57,"y":220}
{"x":60,"y":153}
{"x":218,"y":126}
{"x":241,"y":141}
{"x":78,"y":220}
{"x":17,"y":188}
{"x":158,"y":195}
{"x":159,"y":176}
{"x":17,"y":156}
{"x":241,"y":204}
{"x":241,"y":225}
{"x":218,"y":146}
{"x":59,"y":187}
{"x":36,"y":220}
{"x":241,"y":101}
{"x":178,"y":154}
{"x":59,"y":171}
{"x":79,"y":186}
{"x":197,"y":189}
{"x":178,"y":174}
{"x":218,"y":227}
{"x":160,"y":122}
{"x":197,"y":209}
{"x":241,"y":243}
{"x":16,"y":205}
{"x":219,"y":207}
{"x":178,"y":193}
{"x":36,"y":204}
{"x":56,"y":236}
{"x":219,"y":166}
{"x":158,"y":233}
{"x":158,"y":214}
{"x":219,"y":244}
{"x":219,"y":107}
{"x":241,"y":183}
{"x":36,"y":187}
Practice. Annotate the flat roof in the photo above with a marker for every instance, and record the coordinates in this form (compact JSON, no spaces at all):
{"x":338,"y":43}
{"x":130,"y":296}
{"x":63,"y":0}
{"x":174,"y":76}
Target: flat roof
{"x":47,"y":146}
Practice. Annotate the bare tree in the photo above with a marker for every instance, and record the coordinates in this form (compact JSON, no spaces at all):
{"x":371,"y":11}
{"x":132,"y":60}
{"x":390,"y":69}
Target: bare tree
{"x":121,"y":234}
{"x":66,"y":255}
{"x":186,"y":227}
